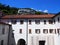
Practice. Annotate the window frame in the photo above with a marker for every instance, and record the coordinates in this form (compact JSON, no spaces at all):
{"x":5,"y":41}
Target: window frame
{"x":13,"y":21}
{"x":3,"y":29}
{"x":30,"y":31}
{"x":44,"y":21}
{"x":29,"y":21}
{"x":37,"y":21}
{"x":58,"y":31}
{"x":45,"y":31}
{"x":21,"y":21}
{"x":20,"y":31}
{"x":51,"y":30}
{"x":36,"y":31}
{"x":50,"y":21}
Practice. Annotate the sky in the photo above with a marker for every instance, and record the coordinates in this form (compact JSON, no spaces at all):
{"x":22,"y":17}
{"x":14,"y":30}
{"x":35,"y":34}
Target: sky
{"x":50,"y":6}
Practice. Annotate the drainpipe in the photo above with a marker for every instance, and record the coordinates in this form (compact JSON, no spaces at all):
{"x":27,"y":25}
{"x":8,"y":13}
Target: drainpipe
{"x":26,"y":31}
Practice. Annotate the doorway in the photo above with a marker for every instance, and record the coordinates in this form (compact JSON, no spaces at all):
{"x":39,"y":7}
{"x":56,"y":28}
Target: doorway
{"x":42,"y":42}
{"x":21,"y":42}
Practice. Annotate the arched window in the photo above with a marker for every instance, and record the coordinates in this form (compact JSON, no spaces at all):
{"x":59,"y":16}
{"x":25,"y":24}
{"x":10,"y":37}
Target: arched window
{"x":44,"y":21}
{"x":29,"y":21}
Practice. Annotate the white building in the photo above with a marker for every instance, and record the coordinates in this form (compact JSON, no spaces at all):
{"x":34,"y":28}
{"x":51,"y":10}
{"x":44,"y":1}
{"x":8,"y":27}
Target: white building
{"x":35,"y":29}
{"x":6,"y":36}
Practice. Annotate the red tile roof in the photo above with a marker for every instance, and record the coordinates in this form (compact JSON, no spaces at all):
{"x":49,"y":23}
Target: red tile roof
{"x":27,"y":16}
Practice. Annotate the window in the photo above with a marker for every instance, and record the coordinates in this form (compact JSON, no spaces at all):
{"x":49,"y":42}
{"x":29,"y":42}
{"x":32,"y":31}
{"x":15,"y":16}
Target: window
{"x":29,"y":21}
{"x":50,"y":22}
{"x":2,"y":42}
{"x":3,"y":30}
{"x":30,"y":31}
{"x":20,"y":30}
{"x":44,"y":21}
{"x":58,"y":30}
{"x":45,"y":30}
{"x":13,"y":21}
{"x":51,"y":30}
{"x":21,"y":21}
{"x":37,"y":21}
{"x":54,"y":21}
{"x":58,"y":19}
{"x":12,"y":35}
{"x":55,"y":31}
{"x":37,"y":31}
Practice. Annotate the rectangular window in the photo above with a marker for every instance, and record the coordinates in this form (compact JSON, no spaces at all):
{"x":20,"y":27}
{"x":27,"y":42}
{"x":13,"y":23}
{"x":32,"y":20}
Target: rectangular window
{"x":50,"y":21}
{"x":3,"y":30}
{"x":44,"y":21}
{"x":20,"y":30}
{"x":29,"y":31}
{"x":51,"y":30}
{"x":55,"y":31}
{"x":37,"y":21}
{"x":21,"y":21}
{"x":2,"y":42}
{"x":58,"y":19}
{"x":54,"y":21}
{"x":37,"y":31}
{"x":58,"y":30}
{"x":45,"y":30}
{"x":29,"y":21}
{"x":13,"y":21}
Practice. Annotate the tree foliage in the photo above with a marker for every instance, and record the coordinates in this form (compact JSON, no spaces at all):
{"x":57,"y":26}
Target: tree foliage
{"x":7,"y":9}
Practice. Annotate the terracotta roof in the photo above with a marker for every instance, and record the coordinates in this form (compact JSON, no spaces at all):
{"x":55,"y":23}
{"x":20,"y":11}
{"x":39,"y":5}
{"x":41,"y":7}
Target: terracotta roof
{"x":4,"y":23}
{"x":27,"y":16}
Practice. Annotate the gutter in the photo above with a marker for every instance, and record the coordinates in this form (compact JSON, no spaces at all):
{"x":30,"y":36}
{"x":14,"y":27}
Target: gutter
{"x":26,"y":31}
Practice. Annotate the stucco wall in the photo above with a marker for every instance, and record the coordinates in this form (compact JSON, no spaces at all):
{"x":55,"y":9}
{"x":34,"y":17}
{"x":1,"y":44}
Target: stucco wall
{"x":4,"y":36}
{"x":25,"y":27}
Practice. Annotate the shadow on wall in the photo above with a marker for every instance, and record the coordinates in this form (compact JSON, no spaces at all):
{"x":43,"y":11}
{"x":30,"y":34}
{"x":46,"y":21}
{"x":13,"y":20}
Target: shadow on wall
{"x":11,"y":37}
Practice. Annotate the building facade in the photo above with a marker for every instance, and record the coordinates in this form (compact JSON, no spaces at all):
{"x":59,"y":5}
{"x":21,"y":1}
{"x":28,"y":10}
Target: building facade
{"x":6,"y":34}
{"x":35,"y":29}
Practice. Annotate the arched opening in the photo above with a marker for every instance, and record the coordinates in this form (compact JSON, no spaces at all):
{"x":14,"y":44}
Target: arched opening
{"x":21,"y":42}
{"x":42,"y":42}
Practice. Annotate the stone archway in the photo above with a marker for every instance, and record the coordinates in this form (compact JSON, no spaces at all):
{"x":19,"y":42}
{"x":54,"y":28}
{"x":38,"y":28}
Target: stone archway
{"x":21,"y":42}
{"x":41,"y":42}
